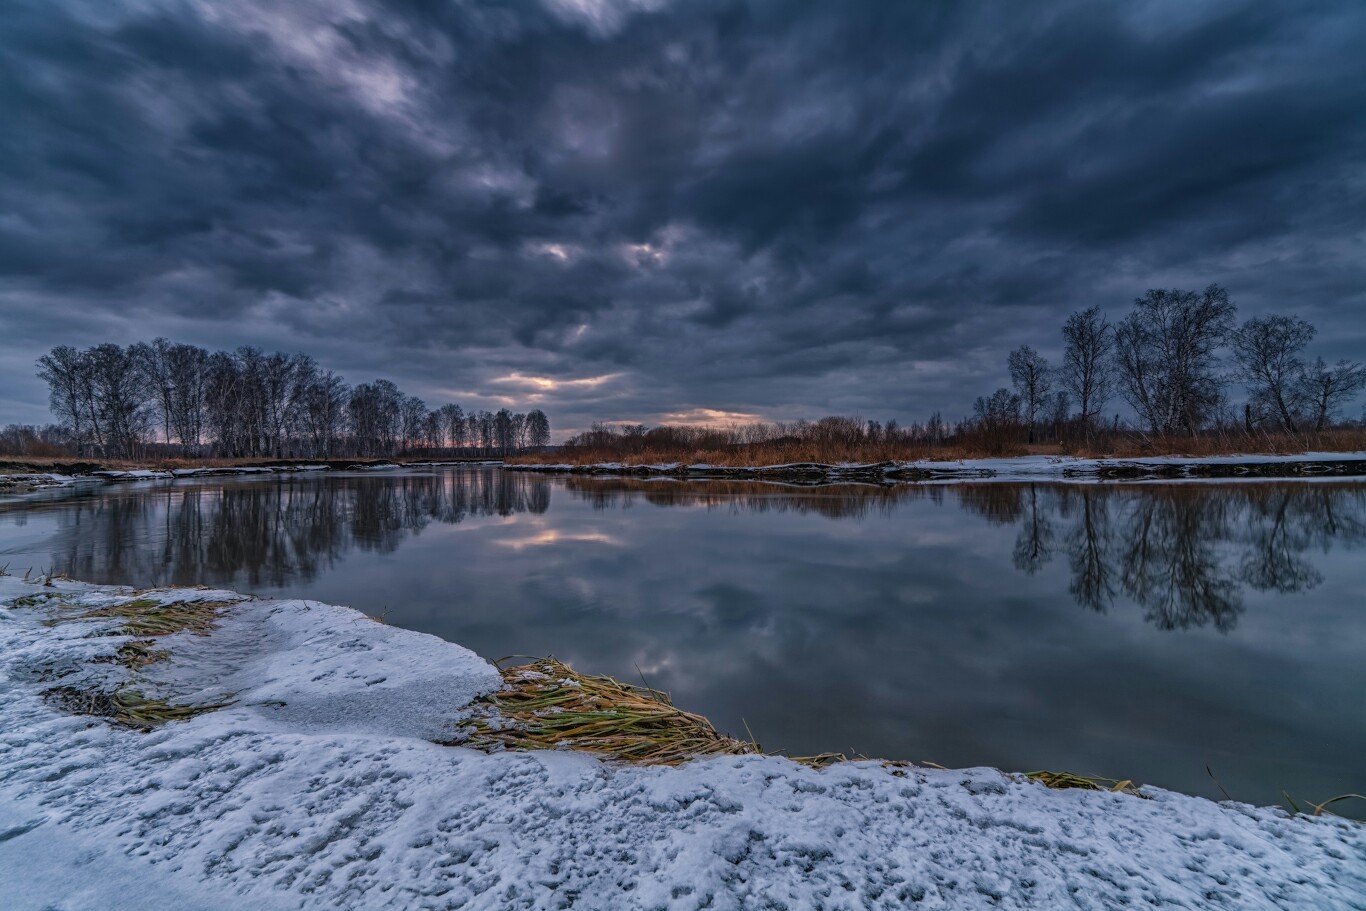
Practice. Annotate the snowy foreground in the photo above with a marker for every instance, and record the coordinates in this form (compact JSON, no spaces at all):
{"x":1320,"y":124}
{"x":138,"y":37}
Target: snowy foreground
{"x":319,"y":787}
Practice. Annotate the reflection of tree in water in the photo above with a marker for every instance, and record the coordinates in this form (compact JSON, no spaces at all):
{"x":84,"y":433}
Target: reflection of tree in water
{"x":1184,"y":553}
{"x":835,"y":501}
{"x":273,"y":532}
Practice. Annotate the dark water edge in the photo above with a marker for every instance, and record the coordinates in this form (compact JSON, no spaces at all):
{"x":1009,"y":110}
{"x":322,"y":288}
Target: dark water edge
{"x":1345,"y":465}
{"x":1140,"y":631}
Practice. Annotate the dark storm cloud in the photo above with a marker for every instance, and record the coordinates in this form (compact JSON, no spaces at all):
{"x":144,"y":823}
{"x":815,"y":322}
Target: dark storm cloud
{"x":761,"y":208}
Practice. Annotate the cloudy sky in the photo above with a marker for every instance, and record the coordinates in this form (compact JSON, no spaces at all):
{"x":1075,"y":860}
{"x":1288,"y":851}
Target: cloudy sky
{"x":652,"y":210}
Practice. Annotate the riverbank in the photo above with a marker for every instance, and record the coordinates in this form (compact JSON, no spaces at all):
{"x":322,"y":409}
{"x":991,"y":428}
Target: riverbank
{"x":1019,"y":468}
{"x":306,"y":776}
{"x":22,"y":476}
{"x":19,"y":477}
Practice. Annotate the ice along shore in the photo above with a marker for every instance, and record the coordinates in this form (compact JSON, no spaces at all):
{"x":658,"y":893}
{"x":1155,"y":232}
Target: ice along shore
{"x":1019,"y":468}
{"x":303,"y":774}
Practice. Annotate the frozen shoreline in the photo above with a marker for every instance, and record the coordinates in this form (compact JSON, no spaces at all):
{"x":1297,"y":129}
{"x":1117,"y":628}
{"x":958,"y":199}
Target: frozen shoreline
{"x":319,"y":787}
{"x":1019,"y":468}
{"x":26,"y":482}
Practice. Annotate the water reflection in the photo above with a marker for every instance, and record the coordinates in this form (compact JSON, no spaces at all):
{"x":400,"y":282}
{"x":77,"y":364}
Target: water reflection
{"x":1183,"y":553}
{"x":269,"y":533}
{"x":834,"y":501}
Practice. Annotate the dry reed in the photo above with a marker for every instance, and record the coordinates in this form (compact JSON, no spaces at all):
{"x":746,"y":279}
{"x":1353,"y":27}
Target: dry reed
{"x":147,"y":617}
{"x":1062,"y":780}
{"x":548,"y":705}
{"x":125,"y":706}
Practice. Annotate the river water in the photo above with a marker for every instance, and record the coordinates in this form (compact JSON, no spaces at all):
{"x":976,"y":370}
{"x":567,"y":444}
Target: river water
{"x":1159,"y":632}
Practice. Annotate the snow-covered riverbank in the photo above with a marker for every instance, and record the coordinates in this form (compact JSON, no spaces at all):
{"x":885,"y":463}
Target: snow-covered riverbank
{"x":319,"y":787}
{"x":25,"y":482}
{"x":1021,"y":468}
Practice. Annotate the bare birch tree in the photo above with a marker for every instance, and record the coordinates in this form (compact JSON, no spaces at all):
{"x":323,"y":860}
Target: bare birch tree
{"x":1086,"y":369}
{"x":1030,"y":374}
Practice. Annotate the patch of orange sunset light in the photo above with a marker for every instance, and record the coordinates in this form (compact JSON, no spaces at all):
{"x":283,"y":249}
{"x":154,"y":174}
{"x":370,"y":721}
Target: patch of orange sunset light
{"x":709,"y":417}
{"x":550,"y":383}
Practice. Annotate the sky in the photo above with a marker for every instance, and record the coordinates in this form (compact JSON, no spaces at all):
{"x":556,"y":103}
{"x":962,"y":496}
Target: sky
{"x":663,"y":211}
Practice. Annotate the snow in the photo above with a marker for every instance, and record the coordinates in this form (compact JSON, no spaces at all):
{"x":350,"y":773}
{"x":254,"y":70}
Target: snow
{"x":1014,"y":468}
{"x":319,"y":787}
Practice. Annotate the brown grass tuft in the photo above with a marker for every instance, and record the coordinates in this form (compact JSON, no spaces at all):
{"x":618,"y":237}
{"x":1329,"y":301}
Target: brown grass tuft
{"x":547,"y":705}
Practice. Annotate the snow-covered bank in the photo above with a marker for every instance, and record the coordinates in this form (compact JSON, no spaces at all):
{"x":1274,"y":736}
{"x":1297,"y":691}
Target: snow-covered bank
{"x":31,"y":481}
{"x":1021,"y":468}
{"x":318,"y":787}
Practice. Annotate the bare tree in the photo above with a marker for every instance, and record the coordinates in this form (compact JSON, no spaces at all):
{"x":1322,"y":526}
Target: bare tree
{"x":484,"y":421}
{"x":1001,"y":410}
{"x":188,"y":366}
{"x":1267,"y":350}
{"x":323,"y":412}
{"x":1325,"y":389}
{"x":538,"y":428}
{"x":249,"y":403}
{"x":154,"y":361}
{"x":1086,"y":369}
{"x":434,"y":430}
{"x":1166,"y":354}
{"x":1030,"y":374}
{"x":222,"y":404}
{"x":412,"y":421}
{"x":453,"y":417}
{"x":283,"y":381}
{"x":376,"y":417}
{"x":502,"y":430}
{"x":70,"y":394}
{"x":121,"y":397}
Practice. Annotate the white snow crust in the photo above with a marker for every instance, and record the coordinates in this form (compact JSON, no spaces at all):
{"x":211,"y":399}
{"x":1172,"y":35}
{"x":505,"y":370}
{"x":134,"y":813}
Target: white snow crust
{"x":1013,"y":468}
{"x":319,"y":787}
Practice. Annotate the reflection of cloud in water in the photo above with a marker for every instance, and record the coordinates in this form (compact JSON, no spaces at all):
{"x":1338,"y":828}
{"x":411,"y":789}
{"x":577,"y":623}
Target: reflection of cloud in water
{"x":552,"y":536}
{"x":1183,"y":553}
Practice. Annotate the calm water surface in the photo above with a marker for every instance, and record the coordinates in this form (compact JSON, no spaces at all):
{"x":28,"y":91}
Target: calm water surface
{"x":1136,"y":631}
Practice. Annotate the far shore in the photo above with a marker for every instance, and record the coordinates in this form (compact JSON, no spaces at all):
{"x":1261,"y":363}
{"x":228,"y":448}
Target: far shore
{"x":24,"y":475}
{"x":1023,"y":468}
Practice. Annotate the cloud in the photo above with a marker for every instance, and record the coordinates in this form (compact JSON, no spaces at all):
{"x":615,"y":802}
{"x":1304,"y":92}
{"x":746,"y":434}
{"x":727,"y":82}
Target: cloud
{"x":741,"y":208}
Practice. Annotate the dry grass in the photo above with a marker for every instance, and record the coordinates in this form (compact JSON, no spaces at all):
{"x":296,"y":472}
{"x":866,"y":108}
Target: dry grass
{"x":547,"y":705}
{"x":147,"y":617}
{"x":1120,"y":445}
{"x":125,"y":706}
{"x":1129,"y":446}
{"x":135,"y":655}
{"x":1061,"y":780}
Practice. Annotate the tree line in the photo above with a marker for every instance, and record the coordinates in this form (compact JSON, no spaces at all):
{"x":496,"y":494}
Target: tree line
{"x":1172,"y":358}
{"x":114,"y":401}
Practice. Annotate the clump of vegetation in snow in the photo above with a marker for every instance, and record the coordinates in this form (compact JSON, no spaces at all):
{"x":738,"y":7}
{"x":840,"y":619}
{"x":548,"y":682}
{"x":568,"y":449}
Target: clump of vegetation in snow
{"x":150,"y":617}
{"x":125,"y":705}
{"x":547,"y":705}
{"x":1061,"y":780}
{"x":143,"y":620}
